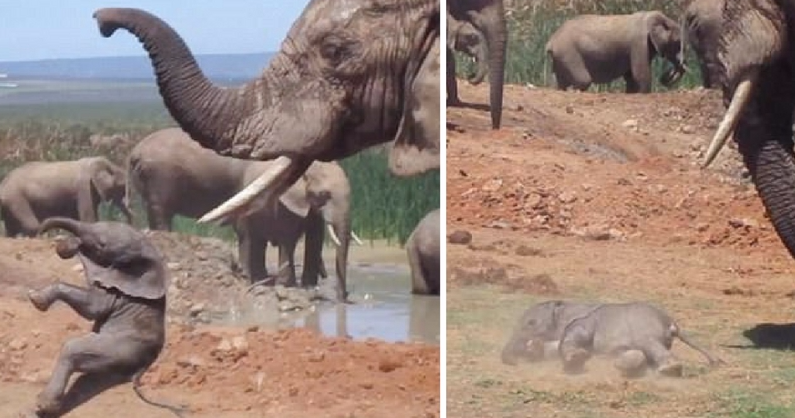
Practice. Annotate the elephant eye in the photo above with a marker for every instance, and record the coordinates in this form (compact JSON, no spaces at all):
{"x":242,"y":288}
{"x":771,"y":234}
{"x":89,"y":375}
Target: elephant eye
{"x":334,"y":49}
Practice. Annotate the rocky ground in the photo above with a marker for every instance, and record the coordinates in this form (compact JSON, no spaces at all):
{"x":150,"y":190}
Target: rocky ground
{"x":218,"y":371}
{"x":601,"y":197}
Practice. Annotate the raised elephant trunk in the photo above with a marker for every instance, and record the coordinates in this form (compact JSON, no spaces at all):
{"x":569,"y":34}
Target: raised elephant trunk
{"x":209,"y":113}
{"x":75,"y":227}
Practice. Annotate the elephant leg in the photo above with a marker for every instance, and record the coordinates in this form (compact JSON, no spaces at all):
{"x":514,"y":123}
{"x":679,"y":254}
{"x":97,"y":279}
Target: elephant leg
{"x":632,"y":85}
{"x":159,"y":220}
{"x":287,"y":260}
{"x":575,"y":346}
{"x":86,"y":387}
{"x":90,"y":354}
{"x":661,"y":357}
{"x":251,"y":253}
{"x":79,"y":299}
{"x":640,"y":74}
{"x":419,"y":283}
{"x":20,"y":220}
{"x":631,"y":363}
{"x":313,"y":250}
{"x":452,"y":83}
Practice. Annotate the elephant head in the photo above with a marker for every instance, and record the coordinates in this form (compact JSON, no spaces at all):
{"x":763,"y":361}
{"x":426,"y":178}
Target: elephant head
{"x":463,"y":37}
{"x":114,"y":255}
{"x":664,"y":38}
{"x":324,"y":192}
{"x":488,"y":17}
{"x":347,"y":77}
{"x":102,"y":180}
{"x":751,"y":60}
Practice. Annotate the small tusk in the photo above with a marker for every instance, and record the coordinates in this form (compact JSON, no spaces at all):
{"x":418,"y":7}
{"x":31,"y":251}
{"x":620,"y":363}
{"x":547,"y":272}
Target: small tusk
{"x":284,"y":266}
{"x":741,"y":96}
{"x":243,"y":199}
{"x":333,"y":235}
{"x":356,"y":238}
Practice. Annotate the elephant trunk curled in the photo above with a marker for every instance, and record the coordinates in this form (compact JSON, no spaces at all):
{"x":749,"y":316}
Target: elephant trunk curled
{"x":209,"y":113}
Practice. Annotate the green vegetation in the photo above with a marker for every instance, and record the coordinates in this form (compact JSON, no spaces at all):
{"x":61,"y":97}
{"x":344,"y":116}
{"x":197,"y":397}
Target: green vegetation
{"x":531,"y":23}
{"x":384,"y":206}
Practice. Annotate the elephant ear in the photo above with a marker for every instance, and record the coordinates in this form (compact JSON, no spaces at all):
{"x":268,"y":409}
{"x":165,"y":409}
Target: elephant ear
{"x":416,"y":146}
{"x":295,"y":198}
{"x":101,"y":177}
{"x":659,"y":30}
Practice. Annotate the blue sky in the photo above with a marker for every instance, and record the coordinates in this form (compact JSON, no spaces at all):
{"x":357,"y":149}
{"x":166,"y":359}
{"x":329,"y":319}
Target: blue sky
{"x":42,"y":29}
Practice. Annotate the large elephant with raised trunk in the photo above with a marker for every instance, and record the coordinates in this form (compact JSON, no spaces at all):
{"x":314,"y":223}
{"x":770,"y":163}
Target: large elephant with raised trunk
{"x":488,"y":18}
{"x":74,"y":189}
{"x":349,"y":75}
{"x":598,"y":49}
{"x":752,"y":60}
{"x":176,"y":176}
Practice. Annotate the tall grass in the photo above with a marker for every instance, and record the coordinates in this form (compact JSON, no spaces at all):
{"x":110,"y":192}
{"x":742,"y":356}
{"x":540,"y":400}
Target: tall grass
{"x":532,"y":22}
{"x":384,"y":207}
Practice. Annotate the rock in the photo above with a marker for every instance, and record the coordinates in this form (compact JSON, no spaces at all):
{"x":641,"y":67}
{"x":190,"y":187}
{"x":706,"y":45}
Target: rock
{"x":173,"y":266}
{"x":460,"y":237}
{"x":224,"y":345}
{"x":525,"y":251}
{"x":533,"y":201}
{"x":630,"y":124}
{"x":743,"y":222}
{"x":196,"y":309}
{"x":492,"y":185}
{"x":687,"y":129}
{"x":17,"y":344}
{"x":240,"y":343}
{"x":567,"y":197}
{"x":191,"y":361}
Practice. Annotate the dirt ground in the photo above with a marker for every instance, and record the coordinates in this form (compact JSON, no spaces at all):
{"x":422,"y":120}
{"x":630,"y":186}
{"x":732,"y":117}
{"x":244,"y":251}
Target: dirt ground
{"x":600,"y":197}
{"x":216,"y":371}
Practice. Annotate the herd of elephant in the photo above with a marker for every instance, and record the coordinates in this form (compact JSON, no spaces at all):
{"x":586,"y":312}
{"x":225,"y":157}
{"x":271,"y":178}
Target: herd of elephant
{"x":176,"y":176}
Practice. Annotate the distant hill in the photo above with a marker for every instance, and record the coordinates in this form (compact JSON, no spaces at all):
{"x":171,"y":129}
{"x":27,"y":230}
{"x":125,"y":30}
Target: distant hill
{"x":218,"y":67}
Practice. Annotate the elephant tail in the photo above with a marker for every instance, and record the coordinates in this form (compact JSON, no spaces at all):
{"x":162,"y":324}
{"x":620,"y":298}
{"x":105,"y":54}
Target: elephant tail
{"x":136,"y":381}
{"x":677,"y":332}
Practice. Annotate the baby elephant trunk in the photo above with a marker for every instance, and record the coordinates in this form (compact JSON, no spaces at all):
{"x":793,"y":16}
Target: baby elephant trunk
{"x":67,"y":224}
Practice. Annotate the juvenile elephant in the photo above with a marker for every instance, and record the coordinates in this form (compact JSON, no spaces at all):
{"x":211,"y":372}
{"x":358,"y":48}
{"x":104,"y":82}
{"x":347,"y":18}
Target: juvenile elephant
{"x":539,"y":329}
{"x":125,"y":296}
{"x":422,"y":247}
{"x":176,"y":176}
{"x":638,"y":334}
{"x":487,"y":17}
{"x":74,"y":189}
{"x":750,"y":59}
{"x":349,"y":75}
{"x":600,"y":48}
{"x":463,"y":37}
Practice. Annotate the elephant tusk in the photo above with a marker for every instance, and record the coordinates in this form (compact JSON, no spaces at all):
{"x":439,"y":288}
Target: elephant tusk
{"x":333,"y":235}
{"x":356,"y":239}
{"x":741,"y":97}
{"x":244,"y":198}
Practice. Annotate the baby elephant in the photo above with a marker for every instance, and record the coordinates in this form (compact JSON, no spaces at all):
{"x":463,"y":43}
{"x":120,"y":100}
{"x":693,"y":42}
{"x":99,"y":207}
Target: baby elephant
{"x":125,"y":297}
{"x":422,"y":248}
{"x":638,"y":334}
{"x":539,"y":329}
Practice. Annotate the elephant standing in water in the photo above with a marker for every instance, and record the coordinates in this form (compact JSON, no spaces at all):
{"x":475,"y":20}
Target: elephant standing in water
{"x":74,"y":189}
{"x":488,"y":18}
{"x":125,"y":297}
{"x":600,"y":48}
{"x":176,"y":176}
{"x":422,"y":247}
{"x":349,"y":75}
{"x":751,"y":59}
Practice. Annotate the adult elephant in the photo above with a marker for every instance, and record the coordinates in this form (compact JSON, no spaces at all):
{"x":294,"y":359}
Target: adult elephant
{"x":73,"y":189}
{"x":752,"y":60}
{"x":349,"y":75}
{"x":601,"y":48}
{"x":176,"y":176}
{"x":422,"y":247}
{"x":488,"y":17}
{"x":463,"y":37}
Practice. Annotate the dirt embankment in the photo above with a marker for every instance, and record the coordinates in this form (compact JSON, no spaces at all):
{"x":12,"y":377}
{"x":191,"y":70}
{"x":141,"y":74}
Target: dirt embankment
{"x":216,"y":371}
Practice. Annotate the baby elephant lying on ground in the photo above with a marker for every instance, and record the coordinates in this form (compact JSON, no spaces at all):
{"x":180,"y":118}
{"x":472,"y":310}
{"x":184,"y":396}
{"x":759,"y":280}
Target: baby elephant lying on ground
{"x":126,"y":299}
{"x":638,"y":334}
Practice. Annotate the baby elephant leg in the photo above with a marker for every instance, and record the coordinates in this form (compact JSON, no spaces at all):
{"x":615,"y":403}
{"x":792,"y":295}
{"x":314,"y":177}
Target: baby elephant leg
{"x":575,"y":347}
{"x":89,"y":354}
{"x":631,"y":363}
{"x":662,"y":358}
{"x":77,"y":298}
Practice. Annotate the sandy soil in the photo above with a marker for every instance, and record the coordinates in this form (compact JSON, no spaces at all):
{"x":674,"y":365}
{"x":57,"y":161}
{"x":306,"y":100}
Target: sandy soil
{"x":600,"y":197}
{"x":216,"y":371}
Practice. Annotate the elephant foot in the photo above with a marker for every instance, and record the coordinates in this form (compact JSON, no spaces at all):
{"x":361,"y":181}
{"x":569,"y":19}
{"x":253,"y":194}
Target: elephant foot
{"x":574,"y":360}
{"x":671,"y":369}
{"x":631,"y":363}
{"x":47,"y":406}
{"x":42,"y":299}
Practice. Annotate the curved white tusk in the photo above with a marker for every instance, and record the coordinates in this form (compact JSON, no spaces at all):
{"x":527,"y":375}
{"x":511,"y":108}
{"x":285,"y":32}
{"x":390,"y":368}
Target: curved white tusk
{"x":741,"y":96}
{"x":243,"y":198}
{"x":356,"y":238}
{"x":333,"y":235}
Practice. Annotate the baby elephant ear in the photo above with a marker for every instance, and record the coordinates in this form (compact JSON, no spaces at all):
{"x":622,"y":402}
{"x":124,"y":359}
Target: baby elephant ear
{"x":416,"y":146}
